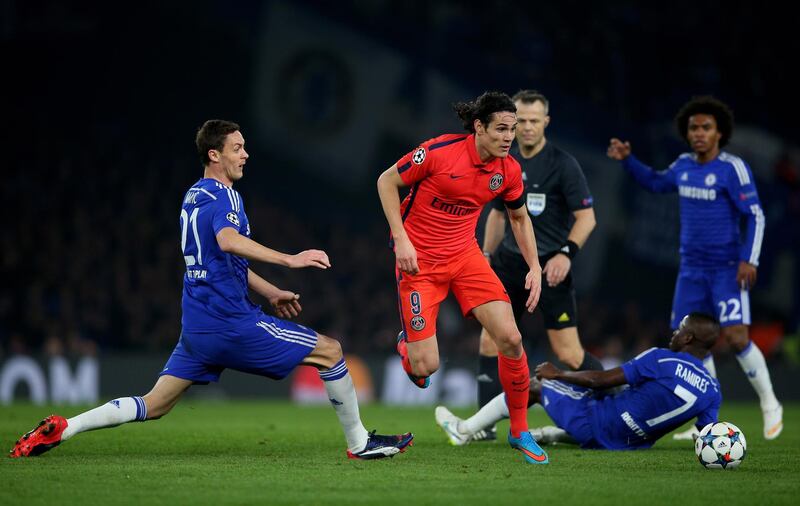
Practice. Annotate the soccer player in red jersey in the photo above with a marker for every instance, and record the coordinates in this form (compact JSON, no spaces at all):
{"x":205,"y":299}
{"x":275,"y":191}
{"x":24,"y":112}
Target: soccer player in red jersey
{"x":433,"y":232}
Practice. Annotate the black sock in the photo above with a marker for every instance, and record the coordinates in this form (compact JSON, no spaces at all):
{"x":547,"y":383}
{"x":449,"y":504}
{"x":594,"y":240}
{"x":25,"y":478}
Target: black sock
{"x":590,"y":363}
{"x":489,"y":385}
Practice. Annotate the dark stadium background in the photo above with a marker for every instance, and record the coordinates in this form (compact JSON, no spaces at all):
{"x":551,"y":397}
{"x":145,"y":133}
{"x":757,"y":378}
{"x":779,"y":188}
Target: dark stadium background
{"x":102,"y":102}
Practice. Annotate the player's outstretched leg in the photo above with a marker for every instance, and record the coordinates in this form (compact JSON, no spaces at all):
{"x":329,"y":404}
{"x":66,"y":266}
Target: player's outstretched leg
{"x":550,"y":434}
{"x":44,"y":437}
{"x":452,"y":426}
{"x":689,"y":434}
{"x":328,"y":359}
{"x":420,"y":381}
{"x":55,"y":429}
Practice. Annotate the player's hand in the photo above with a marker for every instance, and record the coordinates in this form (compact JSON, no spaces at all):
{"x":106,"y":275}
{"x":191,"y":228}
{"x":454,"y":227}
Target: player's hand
{"x":618,"y":150}
{"x":546,"y":370}
{"x":556,"y":269}
{"x":533,"y":282}
{"x":310,"y":258}
{"x":406,"y":256}
{"x":286,"y":304}
{"x":746,"y":275}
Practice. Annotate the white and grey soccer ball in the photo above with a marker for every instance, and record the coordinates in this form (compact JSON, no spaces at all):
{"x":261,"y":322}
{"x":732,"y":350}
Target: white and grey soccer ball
{"x":720,"y":445}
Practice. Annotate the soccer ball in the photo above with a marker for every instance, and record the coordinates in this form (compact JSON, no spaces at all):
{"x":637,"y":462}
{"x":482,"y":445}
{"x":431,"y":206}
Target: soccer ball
{"x":720,"y":445}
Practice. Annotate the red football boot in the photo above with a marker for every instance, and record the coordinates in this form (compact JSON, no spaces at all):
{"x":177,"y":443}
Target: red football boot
{"x":45,"y":436}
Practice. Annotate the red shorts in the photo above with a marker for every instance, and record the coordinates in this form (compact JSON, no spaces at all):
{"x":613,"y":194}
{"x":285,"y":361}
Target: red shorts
{"x":469,"y":275}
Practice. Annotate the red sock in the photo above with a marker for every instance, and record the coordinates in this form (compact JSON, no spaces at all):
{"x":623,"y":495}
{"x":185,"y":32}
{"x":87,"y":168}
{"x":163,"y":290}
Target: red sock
{"x":402,"y":349}
{"x":514,"y":376}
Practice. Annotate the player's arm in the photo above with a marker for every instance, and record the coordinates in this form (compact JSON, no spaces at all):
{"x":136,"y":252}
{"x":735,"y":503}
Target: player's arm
{"x":493,"y":231}
{"x":389,"y":184}
{"x":589,"y":379}
{"x":654,"y":181}
{"x":557,"y":268}
{"x":742,"y":191}
{"x":523,"y":232}
{"x":231,"y":241}
{"x":583,"y":226}
{"x":285,"y":303}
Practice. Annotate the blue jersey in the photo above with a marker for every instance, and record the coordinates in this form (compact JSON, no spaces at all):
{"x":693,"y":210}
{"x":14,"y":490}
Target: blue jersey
{"x":713,"y":198}
{"x":215,"y":284}
{"x":667,"y":389}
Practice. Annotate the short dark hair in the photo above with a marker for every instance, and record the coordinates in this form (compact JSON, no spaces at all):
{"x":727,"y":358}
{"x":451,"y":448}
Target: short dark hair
{"x":212,"y":136}
{"x":706,"y":104}
{"x":531,"y":97}
{"x":482,"y":108}
{"x":704,"y":327}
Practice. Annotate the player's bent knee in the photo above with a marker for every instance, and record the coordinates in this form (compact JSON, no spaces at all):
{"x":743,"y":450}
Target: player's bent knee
{"x":326,"y":354}
{"x":508,"y":339}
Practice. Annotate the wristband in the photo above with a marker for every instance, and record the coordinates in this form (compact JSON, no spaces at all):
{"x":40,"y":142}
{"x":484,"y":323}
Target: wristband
{"x":570,"y":249}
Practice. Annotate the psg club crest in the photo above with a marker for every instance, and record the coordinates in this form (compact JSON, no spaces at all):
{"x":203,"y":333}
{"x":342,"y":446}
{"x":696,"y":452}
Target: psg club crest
{"x":419,"y":156}
{"x":496,"y":182}
{"x":418,"y":323}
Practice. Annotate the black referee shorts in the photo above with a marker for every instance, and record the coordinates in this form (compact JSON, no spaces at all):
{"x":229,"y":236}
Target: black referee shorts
{"x":556,"y":303}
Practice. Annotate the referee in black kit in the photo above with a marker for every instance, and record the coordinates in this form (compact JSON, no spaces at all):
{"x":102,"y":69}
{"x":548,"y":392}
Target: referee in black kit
{"x":557,"y":195}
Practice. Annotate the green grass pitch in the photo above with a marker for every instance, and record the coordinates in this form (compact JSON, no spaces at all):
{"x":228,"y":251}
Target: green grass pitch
{"x":264,"y":452}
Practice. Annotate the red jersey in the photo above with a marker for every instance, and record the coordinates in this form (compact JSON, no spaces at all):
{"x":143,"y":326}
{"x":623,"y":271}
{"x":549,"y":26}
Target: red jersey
{"x":449,"y":187}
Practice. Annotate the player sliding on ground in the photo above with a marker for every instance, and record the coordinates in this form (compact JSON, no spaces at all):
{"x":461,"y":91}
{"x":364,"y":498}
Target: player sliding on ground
{"x":668,"y":387}
{"x":222,"y":327}
{"x":718,"y":263}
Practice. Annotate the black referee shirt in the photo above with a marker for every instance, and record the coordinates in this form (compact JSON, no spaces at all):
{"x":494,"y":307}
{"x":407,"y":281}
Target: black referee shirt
{"x":554,"y":187}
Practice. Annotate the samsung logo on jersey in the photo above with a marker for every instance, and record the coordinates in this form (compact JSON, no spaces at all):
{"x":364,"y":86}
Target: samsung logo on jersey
{"x":692,"y":192}
{"x":691,"y":378}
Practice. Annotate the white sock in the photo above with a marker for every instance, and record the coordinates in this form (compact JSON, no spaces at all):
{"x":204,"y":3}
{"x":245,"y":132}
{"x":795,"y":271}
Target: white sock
{"x":755,"y":367}
{"x":708,"y":362}
{"x":342,"y":394}
{"x":111,"y":414}
{"x":494,"y":411}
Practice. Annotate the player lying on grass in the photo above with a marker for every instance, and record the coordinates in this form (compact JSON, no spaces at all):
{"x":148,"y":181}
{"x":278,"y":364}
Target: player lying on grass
{"x":222,"y":327}
{"x":668,"y":387}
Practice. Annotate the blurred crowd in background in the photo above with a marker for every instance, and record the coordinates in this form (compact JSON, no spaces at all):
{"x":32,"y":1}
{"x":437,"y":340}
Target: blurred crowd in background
{"x":102,"y":130}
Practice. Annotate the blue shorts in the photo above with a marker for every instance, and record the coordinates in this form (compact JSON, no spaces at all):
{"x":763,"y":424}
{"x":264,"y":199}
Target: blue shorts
{"x":712,"y":291}
{"x":568,"y":406}
{"x":270,"y":347}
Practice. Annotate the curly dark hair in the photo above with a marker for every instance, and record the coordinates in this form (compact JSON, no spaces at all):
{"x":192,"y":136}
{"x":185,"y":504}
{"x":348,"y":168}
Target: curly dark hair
{"x":212,"y":136}
{"x":706,"y":104}
{"x":482,"y":108}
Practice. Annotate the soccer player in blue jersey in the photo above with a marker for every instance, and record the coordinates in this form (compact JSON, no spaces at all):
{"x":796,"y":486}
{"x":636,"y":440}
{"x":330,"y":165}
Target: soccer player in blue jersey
{"x":718,"y":267}
{"x":222,"y":327}
{"x":668,"y":387}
